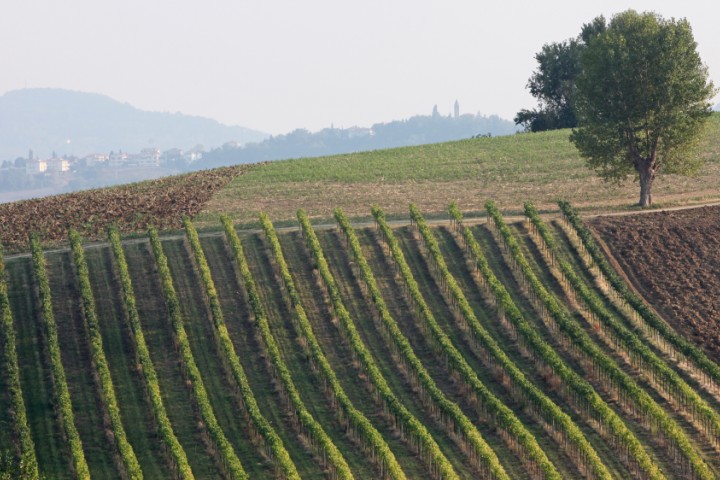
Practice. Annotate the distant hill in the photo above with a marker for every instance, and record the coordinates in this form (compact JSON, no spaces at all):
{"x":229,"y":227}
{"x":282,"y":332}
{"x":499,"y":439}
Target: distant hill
{"x":417,"y":130}
{"x":717,"y":107}
{"x":44,"y":119}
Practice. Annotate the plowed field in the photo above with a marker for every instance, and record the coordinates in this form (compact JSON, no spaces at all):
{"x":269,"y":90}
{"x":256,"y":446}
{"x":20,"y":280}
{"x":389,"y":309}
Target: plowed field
{"x":133,"y":207}
{"x":673,"y":259}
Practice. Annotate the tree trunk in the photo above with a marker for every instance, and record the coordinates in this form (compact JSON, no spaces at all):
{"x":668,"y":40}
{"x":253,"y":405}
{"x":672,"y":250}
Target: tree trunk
{"x":647,"y":175}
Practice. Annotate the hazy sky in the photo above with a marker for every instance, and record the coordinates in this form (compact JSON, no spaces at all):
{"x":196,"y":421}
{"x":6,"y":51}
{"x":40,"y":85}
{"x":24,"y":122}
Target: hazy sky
{"x":277,"y":65}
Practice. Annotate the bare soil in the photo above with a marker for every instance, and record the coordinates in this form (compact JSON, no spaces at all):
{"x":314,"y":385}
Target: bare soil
{"x":132,"y":208}
{"x":673,"y":259}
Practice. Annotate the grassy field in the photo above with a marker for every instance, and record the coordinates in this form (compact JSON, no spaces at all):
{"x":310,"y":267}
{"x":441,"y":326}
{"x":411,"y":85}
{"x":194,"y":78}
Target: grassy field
{"x":538,"y":167}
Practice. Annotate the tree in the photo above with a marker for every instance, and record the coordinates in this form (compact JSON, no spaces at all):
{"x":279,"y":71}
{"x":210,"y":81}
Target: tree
{"x":553,"y":84}
{"x":642,"y":99}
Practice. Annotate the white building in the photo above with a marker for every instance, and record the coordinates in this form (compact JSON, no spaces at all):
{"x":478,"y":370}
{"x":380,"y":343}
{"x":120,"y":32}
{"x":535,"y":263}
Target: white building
{"x":148,"y":157}
{"x":35,"y":166}
{"x":58,"y":165}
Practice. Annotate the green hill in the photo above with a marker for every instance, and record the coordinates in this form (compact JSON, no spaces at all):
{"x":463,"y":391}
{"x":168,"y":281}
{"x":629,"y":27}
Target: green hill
{"x":542,"y":167}
{"x":462,"y":349}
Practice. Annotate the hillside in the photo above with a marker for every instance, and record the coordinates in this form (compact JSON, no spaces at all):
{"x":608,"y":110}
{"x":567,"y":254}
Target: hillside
{"x":651,"y":249}
{"x":460,"y":348}
{"x":542,"y":167}
{"x":485,"y":349}
{"x":44,"y":119}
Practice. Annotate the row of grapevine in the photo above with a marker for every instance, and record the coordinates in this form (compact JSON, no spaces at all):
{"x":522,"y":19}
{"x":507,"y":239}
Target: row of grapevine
{"x":165,"y":430}
{"x":709,"y":369}
{"x":99,"y":361}
{"x":261,"y":424}
{"x":354,"y":419}
{"x":580,"y":447}
{"x":229,"y":459}
{"x":27,"y":465}
{"x":61,"y":392}
{"x":474,"y":442}
{"x":420,"y":437}
{"x":657,"y":371}
{"x":313,"y":430}
{"x":517,"y":434}
{"x":574,"y":386}
{"x":581,"y":342}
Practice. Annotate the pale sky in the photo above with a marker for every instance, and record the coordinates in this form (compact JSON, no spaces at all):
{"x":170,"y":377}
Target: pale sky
{"x":277,"y":65}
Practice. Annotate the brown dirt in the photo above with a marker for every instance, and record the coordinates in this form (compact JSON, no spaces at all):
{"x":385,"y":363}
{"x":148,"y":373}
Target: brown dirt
{"x":673,"y":259}
{"x":132,"y":208}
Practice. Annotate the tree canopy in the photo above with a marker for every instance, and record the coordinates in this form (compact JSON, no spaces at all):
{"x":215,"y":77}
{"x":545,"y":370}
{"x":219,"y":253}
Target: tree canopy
{"x":642,"y":98}
{"x":553,"y":84}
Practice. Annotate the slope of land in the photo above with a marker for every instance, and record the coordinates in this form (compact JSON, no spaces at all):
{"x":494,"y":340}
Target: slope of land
{"x":131,"y":208}
{"x":672,"y":259}
{"x":542,"y":167}
{"x":561,"y":355}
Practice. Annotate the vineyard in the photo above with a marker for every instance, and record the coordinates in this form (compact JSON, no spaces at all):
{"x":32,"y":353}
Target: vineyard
{"x":481,"y":348}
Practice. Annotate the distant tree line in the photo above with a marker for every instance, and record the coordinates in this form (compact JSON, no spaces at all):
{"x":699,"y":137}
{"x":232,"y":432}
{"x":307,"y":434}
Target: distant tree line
{"x":416,"y":130}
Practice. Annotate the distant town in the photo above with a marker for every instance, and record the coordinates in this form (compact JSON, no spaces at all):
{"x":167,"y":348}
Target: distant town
{"x":69,"y":172}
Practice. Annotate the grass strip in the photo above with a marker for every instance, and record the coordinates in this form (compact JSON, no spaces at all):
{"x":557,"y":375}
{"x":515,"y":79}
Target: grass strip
{"x":320,"y":440}
{"x":27,"y":467}
{"x":518,"y":436}
{"x":180,"y":463}
{"x":267,"y":432}
{"x":101,"y":368}
{"x":482,"y":453}
{"x":60,"y":386}
{"x":613,"y":374}
{"x":229,"y":459}
{"x":421,"y":439}
{"x":356,"y":420}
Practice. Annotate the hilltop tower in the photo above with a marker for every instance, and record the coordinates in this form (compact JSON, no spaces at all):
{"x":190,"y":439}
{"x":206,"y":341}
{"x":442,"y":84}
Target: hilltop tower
{"x":457,"y":109}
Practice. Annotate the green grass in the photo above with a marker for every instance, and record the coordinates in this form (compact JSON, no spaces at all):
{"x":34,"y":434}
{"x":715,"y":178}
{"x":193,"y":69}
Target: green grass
{"x":339,"y":353}
{"x":75,"y":351}
{"x":289,"y":344}
{"x":542,"y":167}
{"x":176,"y":393}
{"x":123,"y":364}
{"x":360,"y":310}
